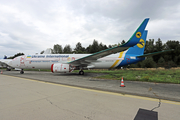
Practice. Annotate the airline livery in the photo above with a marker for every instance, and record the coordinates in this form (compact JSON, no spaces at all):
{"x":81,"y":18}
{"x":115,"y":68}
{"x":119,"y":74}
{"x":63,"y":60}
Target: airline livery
{"x":130,"y":52}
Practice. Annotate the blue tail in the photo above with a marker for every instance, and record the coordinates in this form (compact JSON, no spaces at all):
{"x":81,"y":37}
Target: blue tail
{"x":137,"y":34}
{"x":5,"y":57}
{"x":130,"y":55}
{"x":139,"y":48}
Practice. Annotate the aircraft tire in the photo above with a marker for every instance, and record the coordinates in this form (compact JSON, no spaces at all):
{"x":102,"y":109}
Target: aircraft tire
{"x":21,"y":72}
{"x":8,"y":69}
{"x":81,"y":72}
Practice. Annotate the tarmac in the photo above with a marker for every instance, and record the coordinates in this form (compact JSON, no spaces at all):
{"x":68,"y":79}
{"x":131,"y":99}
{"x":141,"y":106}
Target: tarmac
{"x":34,"y":99}
{"x":163,"y":91}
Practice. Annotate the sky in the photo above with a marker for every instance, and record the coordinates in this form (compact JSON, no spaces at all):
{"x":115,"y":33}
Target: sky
{"x":31,"y":26}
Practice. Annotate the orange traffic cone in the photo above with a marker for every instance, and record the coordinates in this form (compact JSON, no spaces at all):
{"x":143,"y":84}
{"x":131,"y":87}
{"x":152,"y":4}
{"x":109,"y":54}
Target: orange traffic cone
{"x":1,"y":72}
{"x":122,"y":83}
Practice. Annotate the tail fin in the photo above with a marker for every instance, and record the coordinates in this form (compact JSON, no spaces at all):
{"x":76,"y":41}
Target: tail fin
{"x":5,"y":57}
{"x":137,"y":34}
{"x":139,"y":48}
{"x":48,"y":51}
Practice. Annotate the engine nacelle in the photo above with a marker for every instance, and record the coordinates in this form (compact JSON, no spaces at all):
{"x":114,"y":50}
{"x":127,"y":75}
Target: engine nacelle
{"x":61,"y":68}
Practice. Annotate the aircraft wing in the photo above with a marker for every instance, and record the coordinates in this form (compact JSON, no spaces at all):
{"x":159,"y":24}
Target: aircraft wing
{"x":154,"y":53}
{"x":84,"y":61}
{"x":93,"y":57}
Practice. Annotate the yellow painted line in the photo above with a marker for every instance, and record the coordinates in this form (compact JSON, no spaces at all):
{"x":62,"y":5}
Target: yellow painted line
{"x":99,"y":91}
{"x":114,"y":63}
{"x":120,"y":55}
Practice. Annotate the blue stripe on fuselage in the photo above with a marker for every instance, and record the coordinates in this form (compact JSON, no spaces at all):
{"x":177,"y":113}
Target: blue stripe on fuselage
{"x":130,"y":59}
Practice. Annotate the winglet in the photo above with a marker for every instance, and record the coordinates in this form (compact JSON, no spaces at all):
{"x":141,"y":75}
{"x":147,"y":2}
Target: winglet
{"x":137,"y":34}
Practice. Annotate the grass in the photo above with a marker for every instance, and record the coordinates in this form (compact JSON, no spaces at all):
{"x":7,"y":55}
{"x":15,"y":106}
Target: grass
{"x":158,"y":76}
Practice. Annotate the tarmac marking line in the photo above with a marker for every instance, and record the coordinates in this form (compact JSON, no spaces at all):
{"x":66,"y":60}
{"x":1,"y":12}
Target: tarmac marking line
{"x":99,"y":91}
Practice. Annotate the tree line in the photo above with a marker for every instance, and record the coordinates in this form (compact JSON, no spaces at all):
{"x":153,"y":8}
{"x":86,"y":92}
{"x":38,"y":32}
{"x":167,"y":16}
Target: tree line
{"x":79,"y":49}
{"x":16,"y":55}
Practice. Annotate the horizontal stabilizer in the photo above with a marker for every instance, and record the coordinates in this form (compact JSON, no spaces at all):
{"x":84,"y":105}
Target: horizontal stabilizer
{"x":154,"y":53}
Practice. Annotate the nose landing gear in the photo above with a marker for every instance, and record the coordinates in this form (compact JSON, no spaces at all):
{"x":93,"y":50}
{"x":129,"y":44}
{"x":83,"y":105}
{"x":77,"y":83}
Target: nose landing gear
{"x":81,"y":72}
{"x":22,"y":71}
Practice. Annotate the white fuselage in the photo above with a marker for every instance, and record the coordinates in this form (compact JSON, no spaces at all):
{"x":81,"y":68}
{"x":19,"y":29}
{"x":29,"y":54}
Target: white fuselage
{"x":45,"y":61}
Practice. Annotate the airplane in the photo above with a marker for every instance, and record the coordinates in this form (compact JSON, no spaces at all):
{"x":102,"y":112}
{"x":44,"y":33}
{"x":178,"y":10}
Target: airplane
{"x":128,"y":53}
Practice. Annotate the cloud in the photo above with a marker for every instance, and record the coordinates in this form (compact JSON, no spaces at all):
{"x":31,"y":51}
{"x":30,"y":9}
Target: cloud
{"x":34,"y":25}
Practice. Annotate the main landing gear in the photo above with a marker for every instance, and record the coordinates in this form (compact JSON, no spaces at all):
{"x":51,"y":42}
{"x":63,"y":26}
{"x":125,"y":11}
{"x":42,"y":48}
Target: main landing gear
{"x":81,"y":72}
{"x":8,"y":69}
{"x":21,"y":71}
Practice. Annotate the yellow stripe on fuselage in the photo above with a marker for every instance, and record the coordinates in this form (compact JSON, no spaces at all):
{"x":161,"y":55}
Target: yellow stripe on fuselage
{"x":120,"y":55}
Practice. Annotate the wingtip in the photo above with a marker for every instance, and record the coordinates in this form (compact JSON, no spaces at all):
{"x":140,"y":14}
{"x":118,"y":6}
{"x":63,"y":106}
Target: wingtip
{"x":147,"y":19}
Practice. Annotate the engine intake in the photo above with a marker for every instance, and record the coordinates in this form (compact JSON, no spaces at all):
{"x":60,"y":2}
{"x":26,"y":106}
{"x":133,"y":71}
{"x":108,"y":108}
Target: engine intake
{"x":61,"y":68}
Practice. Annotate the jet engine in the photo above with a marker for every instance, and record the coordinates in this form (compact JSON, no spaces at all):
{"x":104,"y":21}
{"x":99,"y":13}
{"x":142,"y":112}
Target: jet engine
{"x":61,"y":68}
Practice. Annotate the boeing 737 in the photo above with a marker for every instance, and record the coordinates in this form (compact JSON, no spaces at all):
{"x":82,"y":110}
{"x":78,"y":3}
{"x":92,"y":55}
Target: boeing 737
{"x":128,"y":53}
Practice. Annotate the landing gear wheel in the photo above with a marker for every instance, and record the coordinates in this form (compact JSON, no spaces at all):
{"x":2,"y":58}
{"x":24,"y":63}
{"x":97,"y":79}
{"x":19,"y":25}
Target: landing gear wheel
{"x":22,"y":71}
{"x":8,"y":69}
{"x":81,"y":72}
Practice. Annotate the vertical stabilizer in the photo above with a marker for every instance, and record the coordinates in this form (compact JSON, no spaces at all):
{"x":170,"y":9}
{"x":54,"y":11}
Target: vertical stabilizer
{"x":137,"y":34}
{"x":48,"y":51}
{"x":139,"y":48}
{"x":5,"y":57}
{"x":130,"y":55}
